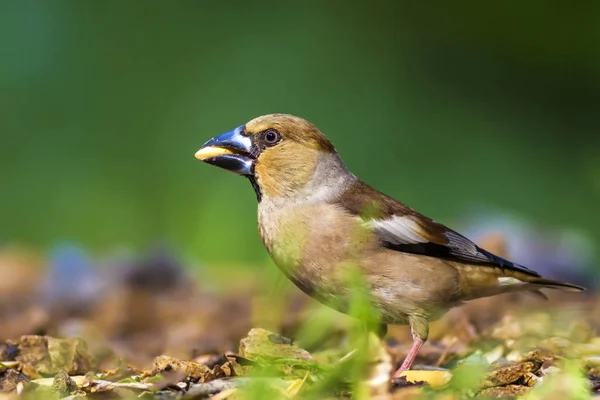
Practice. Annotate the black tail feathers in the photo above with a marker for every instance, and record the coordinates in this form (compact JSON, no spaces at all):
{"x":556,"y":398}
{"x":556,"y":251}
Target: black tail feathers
{"x":557,"y":285}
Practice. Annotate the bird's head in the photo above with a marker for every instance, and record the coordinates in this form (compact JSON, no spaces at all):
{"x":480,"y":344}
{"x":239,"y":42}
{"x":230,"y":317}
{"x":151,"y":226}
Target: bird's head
{"x":279,"y":153}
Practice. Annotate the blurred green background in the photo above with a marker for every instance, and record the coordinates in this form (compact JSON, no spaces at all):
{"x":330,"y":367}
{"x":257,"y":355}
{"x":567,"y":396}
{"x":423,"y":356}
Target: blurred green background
{"x":445,"y":107}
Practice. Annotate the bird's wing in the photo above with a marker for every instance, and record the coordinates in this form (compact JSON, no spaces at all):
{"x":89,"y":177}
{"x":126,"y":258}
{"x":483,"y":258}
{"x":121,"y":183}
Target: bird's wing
{"x":404,"y":229}
{"x":418,"y":234}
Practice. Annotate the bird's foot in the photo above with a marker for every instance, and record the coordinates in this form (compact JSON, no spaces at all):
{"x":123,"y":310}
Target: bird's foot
{"x":410,"y":357}
{"x":399,"y":372}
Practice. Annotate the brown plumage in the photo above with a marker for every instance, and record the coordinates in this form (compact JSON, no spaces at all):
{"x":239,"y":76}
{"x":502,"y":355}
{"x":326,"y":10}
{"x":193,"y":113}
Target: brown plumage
{"x":317,"y":221}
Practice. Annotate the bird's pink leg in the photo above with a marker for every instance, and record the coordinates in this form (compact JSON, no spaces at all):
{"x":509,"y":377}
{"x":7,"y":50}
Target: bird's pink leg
{"x":410,"y":358}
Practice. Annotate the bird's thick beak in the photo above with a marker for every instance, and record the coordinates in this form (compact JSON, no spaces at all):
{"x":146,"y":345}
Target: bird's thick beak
{"x":231,"y":151}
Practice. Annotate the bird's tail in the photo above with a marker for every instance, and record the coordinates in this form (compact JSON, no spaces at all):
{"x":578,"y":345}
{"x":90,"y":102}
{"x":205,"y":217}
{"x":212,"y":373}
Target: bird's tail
{"x":551,"y":284}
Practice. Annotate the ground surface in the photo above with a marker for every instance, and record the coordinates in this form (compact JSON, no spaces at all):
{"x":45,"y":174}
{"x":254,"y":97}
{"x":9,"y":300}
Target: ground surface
{"x":154,"y":334}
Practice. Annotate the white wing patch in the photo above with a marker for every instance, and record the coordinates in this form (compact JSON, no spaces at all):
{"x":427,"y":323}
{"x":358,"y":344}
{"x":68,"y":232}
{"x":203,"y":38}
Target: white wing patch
{"x":509,"y":281}
{"x":398,"y":230}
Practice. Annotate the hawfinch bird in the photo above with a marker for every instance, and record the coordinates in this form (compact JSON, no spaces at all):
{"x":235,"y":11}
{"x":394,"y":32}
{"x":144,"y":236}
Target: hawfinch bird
{"x":317,"y":221}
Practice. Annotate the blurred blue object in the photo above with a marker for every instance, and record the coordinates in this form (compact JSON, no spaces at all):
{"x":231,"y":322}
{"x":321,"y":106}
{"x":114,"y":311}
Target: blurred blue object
{"x":73,"y":282}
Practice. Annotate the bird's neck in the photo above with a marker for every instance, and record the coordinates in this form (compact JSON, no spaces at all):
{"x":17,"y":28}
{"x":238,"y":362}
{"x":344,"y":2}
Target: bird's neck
{"x":330,"y":180}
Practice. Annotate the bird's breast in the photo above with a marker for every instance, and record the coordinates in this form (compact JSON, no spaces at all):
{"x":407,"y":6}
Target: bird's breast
{"x":316,"y":246}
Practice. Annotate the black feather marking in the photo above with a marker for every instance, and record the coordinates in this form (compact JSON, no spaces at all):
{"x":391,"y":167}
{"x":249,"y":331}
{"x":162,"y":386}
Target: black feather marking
{"x":256,"y":188}
{"x":441,"y":251}
{"x":505,"y":263}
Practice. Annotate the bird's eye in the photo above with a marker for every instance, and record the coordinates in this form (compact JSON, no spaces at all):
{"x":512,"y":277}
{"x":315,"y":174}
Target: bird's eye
{"x":272,"y":137}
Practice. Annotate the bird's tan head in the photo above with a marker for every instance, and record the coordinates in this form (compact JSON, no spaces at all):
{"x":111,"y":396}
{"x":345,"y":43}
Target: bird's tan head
{"x":278,"y":153}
